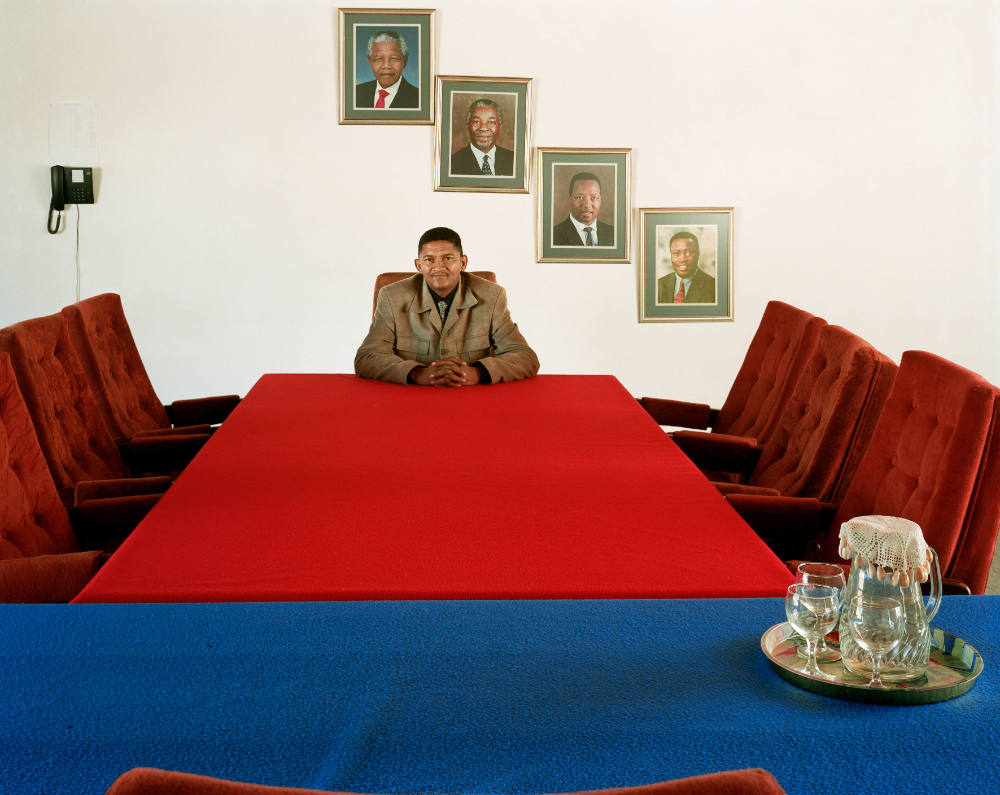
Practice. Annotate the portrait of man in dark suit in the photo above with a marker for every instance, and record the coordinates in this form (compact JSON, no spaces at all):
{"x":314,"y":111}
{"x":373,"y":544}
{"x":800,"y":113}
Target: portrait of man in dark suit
{"x":483,"y":155}
{"x":388,"y":55}
{"x":687,"y":283}
{"x":581,"y":227}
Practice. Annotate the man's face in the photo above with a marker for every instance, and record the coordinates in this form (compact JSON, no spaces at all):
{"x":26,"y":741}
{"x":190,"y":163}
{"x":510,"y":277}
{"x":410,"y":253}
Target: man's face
{"x":387,"y":62}
{"x":484,"y":127}
{"x":442,"y":264}
{"x":585,"y":201}
{"x":684,"y":257}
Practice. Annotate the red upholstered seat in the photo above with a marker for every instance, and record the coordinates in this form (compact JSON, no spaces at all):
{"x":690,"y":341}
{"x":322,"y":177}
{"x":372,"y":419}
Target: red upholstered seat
{"x":150,"y":781}
{"x":923,"y":463}
{"x":124,"y":394}
{"x":397,"y":276}
{"x":39,"y":557}
{"x":823,"y":427}
{"x":775,"y":358}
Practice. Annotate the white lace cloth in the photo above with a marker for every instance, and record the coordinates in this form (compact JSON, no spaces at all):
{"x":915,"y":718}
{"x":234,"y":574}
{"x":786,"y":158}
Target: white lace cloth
{"x":888,"y":546}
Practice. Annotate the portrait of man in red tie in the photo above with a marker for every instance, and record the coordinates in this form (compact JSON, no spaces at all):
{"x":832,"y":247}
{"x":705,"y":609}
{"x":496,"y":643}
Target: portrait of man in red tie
{"x":687,"y":282}
{"x":388,"y":55}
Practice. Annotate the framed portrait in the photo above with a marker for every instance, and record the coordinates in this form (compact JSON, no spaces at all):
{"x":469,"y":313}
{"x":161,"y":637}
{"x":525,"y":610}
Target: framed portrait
{"x":583,"y":205}
{"x":483,"y":133}
{"x":686,"y":264}
{"x":387,"y":61}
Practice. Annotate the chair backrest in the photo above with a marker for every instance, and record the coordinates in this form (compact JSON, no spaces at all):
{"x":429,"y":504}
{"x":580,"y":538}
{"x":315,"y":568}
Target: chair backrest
{"x":32,"y":519}
{"x":775,"y":358}
{"x":397,"y":276}
{"x":103,"y":341}
{"x":977,"y":543}
{"x":152,"y":781}
{"x":925,"y":453}
{"x":71,"y":432}
{"x":843,"y":379}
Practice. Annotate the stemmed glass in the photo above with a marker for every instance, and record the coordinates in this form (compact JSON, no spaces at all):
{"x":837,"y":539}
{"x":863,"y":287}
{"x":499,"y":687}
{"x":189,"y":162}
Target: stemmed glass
{"x":876,"y":623}
{"x":823,"y":574}
{"x":812,"y":611}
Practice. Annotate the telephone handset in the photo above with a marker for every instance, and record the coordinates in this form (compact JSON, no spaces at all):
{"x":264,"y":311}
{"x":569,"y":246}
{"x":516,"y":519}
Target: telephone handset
{"x":70,"y":185}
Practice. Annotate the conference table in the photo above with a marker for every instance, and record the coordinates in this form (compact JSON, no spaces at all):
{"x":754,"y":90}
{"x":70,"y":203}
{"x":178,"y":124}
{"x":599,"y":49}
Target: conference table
{"x":480,"y":696}
{"x":334,"y":487}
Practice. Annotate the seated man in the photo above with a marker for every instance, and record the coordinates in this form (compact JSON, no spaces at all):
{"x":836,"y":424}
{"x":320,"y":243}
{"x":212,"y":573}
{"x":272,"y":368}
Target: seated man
{"x":437,"y":328}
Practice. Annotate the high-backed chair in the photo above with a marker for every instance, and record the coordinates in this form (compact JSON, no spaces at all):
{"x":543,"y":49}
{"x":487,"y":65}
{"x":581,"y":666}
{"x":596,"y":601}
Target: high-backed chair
{"x":397,"y":276}
{"x":819,"y":432}
{"x":922,"y":463}
{"x":39,"y":557}
{"x":151,"y":781}
{"x":775,"y":358}
{"x":79,"y":450}
{"x":124,"y":394}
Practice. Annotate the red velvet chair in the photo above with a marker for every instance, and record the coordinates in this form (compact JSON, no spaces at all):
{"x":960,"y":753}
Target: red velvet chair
{"x":39,"y":557}
{"x":85,"y":463}
{"x":820,"y":431}
{"x":923,"y":463}
{"x":397,"y":276}
{"x":774,"y":360}
{"x":125,"y":397}
{"x":150,"y":781}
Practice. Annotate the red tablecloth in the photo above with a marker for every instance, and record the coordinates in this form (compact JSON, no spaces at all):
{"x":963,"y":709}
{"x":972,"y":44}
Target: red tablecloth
{"x":334,"y":487}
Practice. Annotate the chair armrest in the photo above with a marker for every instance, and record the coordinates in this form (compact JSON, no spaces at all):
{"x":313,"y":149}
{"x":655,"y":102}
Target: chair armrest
{"x":198,"y":411}
{"x":955,"y":587}
{"x":743,"y":488}
{"x":791,"y":526}
{"x":121,"y":487}
{"x":679,"y":413}
{"x":183,"y":430}
{"x":718,"y":451}
{"x":162,"y":454}
{"x":48,"y":578}
{"x":105,"y":523}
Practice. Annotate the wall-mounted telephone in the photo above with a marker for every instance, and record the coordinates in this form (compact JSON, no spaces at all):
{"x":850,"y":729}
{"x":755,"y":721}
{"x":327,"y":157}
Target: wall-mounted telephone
{"x":70,"y":185}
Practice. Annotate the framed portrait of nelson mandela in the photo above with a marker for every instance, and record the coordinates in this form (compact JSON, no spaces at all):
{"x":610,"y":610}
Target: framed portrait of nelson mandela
{"x":686,"y":264}
{"x":387,"y":66}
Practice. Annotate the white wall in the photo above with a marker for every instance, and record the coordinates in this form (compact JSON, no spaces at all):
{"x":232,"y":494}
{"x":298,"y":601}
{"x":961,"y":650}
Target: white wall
{"x":243,"y":226}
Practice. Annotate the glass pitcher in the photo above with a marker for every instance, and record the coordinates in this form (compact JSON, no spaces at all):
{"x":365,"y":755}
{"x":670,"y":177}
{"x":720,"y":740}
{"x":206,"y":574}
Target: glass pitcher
{"x":909,"y":659}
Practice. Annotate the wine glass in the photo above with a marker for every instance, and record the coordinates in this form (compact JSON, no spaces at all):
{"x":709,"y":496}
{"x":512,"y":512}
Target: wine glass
{"x":812,"y":611}
{"x":823,"y":574}
{"x":876,"y":623}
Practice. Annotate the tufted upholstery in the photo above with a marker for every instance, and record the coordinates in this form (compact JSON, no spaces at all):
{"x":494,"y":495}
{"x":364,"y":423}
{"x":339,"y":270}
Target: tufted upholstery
{"x":151,"y":781}
{"x":103,"y":341}
{"x":924,"y":456}
{"x":976,"y":545}
{"x":39,"y":560}
{"x":70,"y":429}
{"x":843,"y":378}
{"x":775,"y":358}
{"x":395,"y":276}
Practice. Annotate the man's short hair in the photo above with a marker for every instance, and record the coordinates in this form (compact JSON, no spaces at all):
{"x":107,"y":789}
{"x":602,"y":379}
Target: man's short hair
{"x":685,"y":236}
{"x":583,"y":175}
{"x":388,"y":35}
{"x":438,"y":234}
{"x":484,"y":103}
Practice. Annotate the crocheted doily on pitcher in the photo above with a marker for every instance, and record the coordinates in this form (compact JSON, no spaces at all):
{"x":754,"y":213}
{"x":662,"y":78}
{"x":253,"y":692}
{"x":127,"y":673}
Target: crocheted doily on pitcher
{"x":888,"y":546}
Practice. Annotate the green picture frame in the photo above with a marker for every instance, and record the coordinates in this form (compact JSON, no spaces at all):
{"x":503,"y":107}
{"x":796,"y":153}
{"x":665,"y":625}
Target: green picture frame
{"x":502,"y":101}
{"x":412,"y":98}
{"x":669,"y":239}
{"x":607,"y":175}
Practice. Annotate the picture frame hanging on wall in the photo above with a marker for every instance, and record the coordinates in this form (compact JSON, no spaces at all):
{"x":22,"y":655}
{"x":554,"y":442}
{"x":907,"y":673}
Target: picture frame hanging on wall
{"x":685,"y":264}
{"x":387,"y":65}
{"x":483,"y":134}
{"x":583,"y":205}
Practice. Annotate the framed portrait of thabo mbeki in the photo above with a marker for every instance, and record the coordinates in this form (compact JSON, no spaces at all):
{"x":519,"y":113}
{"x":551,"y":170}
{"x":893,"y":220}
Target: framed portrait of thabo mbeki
{"x":686,"y":264}
{"x":582,"y":205}
{"x":387,"y":66}
{"x":483,"y":134}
